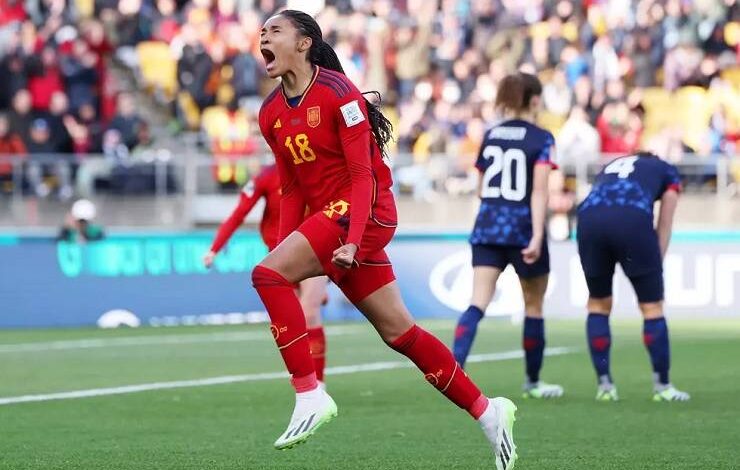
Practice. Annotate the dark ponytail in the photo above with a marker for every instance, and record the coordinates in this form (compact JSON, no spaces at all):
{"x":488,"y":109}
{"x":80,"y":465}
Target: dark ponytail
{"x":323,"y":55}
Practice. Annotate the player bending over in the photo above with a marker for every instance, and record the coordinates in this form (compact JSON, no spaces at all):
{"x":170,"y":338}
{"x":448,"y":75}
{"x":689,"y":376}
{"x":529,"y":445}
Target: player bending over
{"x":329,"y":145}
{"x":615,"y":225}
{"x":312,"y":291}
{"x":515,"y":160}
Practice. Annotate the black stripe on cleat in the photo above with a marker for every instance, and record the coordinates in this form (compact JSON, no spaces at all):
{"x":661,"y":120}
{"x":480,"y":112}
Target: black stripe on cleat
{"x":504,"y":453}
{"x":308,"y":423}
{"x":506,"y":440}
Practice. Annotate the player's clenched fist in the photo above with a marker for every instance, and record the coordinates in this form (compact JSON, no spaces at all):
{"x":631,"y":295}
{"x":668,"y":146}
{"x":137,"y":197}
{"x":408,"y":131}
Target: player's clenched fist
{"x":344,"y":256}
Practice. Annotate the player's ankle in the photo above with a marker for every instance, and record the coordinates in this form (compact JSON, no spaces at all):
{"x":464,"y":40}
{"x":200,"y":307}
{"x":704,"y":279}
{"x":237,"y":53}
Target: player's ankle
{"x":479,"y":407}
{"x":307,"y":383}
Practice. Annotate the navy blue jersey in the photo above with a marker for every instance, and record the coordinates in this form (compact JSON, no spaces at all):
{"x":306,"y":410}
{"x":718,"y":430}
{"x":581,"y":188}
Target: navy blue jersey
{"x":634,"y":181}
{"x":506,"y":161}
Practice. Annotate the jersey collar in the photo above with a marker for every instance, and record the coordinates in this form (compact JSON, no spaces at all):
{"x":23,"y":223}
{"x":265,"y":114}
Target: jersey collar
{"x":305,"y":92}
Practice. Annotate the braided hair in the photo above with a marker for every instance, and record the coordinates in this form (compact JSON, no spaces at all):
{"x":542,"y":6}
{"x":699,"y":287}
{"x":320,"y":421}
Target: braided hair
{"x":323,"y":55}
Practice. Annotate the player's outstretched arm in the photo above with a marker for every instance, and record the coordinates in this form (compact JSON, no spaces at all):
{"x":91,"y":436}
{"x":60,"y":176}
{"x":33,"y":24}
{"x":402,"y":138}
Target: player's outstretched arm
{"x":249,"y":196}
{"x":668,"y":204}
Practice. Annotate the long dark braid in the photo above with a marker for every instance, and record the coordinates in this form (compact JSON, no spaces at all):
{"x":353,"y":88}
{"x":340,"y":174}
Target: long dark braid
{"x":323,"y":55}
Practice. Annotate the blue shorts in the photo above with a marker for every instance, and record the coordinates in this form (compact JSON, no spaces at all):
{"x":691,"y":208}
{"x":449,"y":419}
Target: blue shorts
{"x":610,"y":236}
{"x":501,"y":256}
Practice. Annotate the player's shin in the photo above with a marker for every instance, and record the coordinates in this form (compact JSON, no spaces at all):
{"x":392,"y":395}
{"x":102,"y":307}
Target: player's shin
{"x":467,"y":327}
{"x":440,"y":369}
{"x":317,"y":343}
{"x":655,"y":337}
{"x":288,"y":326}
{"x":534,"y":347}
{"x":599,"y":337}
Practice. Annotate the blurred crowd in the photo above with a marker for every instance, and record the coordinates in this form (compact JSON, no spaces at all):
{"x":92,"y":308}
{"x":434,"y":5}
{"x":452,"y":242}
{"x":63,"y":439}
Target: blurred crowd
{"x":59,"y":100}
{"x":619,"y":75}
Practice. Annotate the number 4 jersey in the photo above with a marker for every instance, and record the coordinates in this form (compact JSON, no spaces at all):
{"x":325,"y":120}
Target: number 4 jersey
{"x":633,"y":182}
{"x":507,"y":158}
{"x":326,"y":156}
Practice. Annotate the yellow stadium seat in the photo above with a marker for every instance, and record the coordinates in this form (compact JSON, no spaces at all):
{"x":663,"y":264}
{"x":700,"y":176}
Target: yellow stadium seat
{"x":157,"y":66}
{"x":214,"y":121}
{"x":732,"y":75}
{"x":550,"y":121}
{"x":693,"y":110}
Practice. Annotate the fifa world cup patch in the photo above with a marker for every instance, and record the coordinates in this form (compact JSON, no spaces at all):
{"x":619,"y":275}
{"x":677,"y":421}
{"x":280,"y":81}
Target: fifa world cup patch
{"x":352,"y":113}
{"x":313,"y":117}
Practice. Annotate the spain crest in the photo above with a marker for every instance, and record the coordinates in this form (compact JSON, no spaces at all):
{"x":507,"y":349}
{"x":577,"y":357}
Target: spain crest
{"x":314,"y":116}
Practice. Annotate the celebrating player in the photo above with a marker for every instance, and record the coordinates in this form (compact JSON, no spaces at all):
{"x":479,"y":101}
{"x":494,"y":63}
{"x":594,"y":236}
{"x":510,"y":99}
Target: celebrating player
{"x":515,"y":161}
{"x":329,"y":145}
{"x":615,"y":225}
{"x":312,"y":291}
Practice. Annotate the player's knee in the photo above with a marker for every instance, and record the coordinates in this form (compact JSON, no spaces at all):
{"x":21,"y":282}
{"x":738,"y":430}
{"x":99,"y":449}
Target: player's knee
{"x":399,"y":335}
{"x":265,"y":277}
{"x":602,"y":305}
{"x":533,"y":310}
{"x":651,"y":310}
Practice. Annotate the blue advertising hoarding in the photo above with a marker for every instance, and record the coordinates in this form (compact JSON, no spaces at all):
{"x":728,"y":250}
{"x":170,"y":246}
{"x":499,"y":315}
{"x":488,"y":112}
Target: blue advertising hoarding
{"x":159,"y":280}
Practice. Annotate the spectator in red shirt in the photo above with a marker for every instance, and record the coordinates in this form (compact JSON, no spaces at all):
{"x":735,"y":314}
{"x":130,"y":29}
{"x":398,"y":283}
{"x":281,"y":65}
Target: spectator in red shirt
{"x":44,"y":79}
{"x":11,"y":11}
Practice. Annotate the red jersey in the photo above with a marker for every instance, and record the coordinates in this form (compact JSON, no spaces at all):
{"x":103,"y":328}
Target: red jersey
{"x":327,"y":157}
{"x":266,"y":184}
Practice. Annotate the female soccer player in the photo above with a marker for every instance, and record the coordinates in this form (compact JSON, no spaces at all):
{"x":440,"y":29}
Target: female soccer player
{"x":615,"y":225}
{"x":312,"y":291}
{"x":515,"y":162}
{"x":329,"y":144}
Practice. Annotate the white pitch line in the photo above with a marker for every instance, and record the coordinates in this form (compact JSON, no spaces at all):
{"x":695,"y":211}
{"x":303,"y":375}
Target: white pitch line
{"x":91,"y":343}
{"x":230,"y":379}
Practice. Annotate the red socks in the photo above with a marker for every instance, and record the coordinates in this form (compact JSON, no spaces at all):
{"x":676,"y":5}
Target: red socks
{"x":288,"y":325}
{"x":317,"y":343}
{"x":440,"y":369}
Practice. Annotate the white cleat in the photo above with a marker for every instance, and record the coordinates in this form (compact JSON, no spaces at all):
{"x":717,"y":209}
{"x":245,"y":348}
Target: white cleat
{"x":312,"y":410}
{"x":669,"y":393}
{"x":497,"y":423}
{"x":607,"y":392}
{"x":542,"y":390}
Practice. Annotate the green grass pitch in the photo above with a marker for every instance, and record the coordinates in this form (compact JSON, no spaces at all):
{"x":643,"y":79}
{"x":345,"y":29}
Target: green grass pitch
{"x":389,"y":419}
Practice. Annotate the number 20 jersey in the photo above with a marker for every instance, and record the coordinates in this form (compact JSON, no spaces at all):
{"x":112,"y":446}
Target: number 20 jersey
{"x":507,"y":158}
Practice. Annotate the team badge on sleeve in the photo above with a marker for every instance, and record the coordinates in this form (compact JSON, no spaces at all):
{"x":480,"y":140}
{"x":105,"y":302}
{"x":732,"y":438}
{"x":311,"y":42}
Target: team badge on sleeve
{"x":352,"y":113}
{"x":314,"y":116}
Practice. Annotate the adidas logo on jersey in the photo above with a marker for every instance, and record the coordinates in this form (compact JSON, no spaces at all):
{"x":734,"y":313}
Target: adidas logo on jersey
{"x":278,"y":124}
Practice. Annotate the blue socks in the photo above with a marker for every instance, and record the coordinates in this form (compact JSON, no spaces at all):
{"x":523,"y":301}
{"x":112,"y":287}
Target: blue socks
{"x":655,"y":337}
{"x":467,"y":326}
{"x":534,"y":346}
{"x":599,"y":343}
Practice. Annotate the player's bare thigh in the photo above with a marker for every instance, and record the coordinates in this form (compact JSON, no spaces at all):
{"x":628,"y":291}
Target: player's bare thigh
{"x":312,"y":294}
{"x":533,"y":291}
{"x":484,"y":285}
{"x":294,"y":259}
{"x":386,"y":311}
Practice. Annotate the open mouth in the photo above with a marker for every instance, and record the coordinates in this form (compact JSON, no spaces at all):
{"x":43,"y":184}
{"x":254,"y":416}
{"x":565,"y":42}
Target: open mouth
{"x":269,"y":57}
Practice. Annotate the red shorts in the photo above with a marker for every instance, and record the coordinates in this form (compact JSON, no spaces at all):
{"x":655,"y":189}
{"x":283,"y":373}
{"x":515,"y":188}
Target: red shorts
{"x":374,"y":269}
